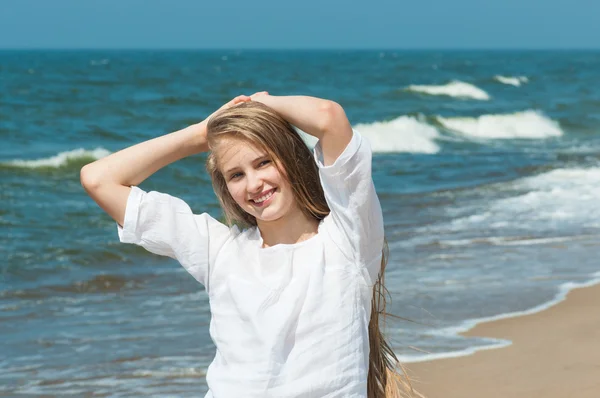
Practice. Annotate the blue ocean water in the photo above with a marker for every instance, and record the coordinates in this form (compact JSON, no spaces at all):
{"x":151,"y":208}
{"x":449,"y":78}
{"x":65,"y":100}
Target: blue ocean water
{"x":487,"y":165}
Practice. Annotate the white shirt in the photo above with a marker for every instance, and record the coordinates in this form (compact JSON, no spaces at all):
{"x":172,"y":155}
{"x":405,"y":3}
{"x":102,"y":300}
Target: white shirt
{"x":289,"y":320}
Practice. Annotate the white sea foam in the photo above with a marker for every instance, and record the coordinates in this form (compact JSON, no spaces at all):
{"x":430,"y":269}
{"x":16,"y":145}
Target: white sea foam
{"x":510,"y":240}
{"x":526,"y":124}
{"x":552,"y":202}
{"x":558,"y":198}
{"x":511,"y":80}
{"x":494,"y":344}
{"x":545,"y":209}
{"x":61,"y":159}
{"x":403,"y":134}
{"x":455,"y":88}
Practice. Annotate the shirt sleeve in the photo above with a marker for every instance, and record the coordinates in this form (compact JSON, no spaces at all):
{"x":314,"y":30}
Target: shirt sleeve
{"x":355,"y":209}
{"x":165,"y":225}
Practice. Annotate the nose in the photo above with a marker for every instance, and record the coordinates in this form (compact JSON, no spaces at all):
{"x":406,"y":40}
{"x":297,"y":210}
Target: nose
{"x":255,"y":182}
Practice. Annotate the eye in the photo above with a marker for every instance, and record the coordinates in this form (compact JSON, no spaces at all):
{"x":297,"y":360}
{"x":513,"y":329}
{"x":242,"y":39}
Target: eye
{"x":235,"y":176}
{"x":264,"y":162}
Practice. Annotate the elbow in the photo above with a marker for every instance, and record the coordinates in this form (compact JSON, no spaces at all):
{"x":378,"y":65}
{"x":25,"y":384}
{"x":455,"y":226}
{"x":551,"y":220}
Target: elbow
{"x":331,"y":115}
{"x":88,"y":179}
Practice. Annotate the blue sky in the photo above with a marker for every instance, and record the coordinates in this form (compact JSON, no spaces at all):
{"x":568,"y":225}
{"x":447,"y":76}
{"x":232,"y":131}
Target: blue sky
{"x":285,"y":24}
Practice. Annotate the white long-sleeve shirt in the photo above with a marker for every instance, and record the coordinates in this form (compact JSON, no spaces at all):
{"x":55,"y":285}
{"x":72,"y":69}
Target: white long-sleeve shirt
{"x":289,"y":320}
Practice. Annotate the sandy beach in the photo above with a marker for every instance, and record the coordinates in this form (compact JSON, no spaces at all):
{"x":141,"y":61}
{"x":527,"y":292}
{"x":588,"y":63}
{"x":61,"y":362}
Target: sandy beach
{"x":555,"y":354}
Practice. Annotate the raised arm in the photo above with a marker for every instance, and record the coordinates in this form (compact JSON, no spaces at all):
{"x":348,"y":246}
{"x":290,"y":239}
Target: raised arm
{"x":108,"y":180}
{"x":318,"y":117}
{"x":356,"y":221}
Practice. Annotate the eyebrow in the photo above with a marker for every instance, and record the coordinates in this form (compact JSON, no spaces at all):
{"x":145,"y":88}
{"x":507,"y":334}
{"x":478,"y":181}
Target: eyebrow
{"x":253,"y":161}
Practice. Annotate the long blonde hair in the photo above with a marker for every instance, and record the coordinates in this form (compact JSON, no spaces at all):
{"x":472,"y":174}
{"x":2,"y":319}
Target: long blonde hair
{"x":264,"y":128}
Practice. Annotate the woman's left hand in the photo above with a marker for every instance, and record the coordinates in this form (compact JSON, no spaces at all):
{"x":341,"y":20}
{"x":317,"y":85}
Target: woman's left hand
{"x":237,"y":100}
{"x":257,"y":96}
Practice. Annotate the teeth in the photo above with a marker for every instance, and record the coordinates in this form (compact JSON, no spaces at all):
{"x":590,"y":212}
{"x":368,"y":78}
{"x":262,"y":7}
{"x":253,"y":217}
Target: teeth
{"x":263,"y":198}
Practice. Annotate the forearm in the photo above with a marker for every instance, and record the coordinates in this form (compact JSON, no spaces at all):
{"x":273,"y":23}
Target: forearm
{"x":312,"y":115}
{"x":108,"y":180}
{"x":318,"y":117}
{"x":133,"y":165}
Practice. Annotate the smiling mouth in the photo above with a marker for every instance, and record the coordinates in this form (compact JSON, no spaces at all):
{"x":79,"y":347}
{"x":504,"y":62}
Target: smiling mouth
{"x":260,"y":200}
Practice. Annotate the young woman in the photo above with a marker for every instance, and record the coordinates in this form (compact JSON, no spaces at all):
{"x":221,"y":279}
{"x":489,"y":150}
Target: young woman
{"x":295,"y":279}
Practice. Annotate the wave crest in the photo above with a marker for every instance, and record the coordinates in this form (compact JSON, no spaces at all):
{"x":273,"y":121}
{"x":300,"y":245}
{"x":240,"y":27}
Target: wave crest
{"x":60,"y":160}
{"x":526,"y":124}
{"x":403,"y":134}
{"x":512,"y":80}
{"x":455,"y":88}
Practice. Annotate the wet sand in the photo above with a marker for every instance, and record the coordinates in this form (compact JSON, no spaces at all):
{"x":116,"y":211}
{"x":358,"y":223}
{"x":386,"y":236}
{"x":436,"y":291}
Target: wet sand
{"x":555,"y":354}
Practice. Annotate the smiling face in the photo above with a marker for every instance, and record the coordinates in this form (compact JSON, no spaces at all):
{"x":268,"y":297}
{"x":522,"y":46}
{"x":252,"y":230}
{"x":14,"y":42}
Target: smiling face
{"x":254,"y":181}
{"x":254,"y":127}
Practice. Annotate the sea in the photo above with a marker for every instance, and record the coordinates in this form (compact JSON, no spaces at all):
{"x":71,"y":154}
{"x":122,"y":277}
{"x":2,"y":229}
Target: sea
{"x":487,"y":165}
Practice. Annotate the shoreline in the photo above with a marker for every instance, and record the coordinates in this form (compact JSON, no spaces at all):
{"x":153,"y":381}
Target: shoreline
{"x":554,"y":353}
{"x":462,"y":330}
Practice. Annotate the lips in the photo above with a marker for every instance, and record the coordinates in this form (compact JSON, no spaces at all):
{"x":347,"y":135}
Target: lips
{"x":264,"y":197}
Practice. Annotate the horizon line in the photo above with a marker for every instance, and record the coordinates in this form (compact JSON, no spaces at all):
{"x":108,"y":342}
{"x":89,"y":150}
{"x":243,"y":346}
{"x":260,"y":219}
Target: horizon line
{"x":499,"y":49}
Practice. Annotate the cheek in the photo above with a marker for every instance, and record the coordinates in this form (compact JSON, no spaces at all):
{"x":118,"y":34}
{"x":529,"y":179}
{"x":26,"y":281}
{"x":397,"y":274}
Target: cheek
{"x":236,"y":192}
{"x":276,"y":176}
{"x":286,"y":187}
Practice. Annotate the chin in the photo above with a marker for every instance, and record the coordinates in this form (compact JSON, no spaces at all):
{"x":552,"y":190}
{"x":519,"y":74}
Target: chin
{"x":267,"y":218}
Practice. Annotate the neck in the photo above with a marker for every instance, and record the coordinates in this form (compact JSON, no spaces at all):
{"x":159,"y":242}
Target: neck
{"x":294,"y":228}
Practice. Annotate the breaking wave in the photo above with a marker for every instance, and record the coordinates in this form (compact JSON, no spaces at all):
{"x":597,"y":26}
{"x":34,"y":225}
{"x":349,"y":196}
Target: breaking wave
{"x":511,"y":80}
{"x":555,"y":200}
{"x":403,"y":134}
{"x":60,"y":160}
{"x":455,"y":88}
{"x":526,"y":124}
